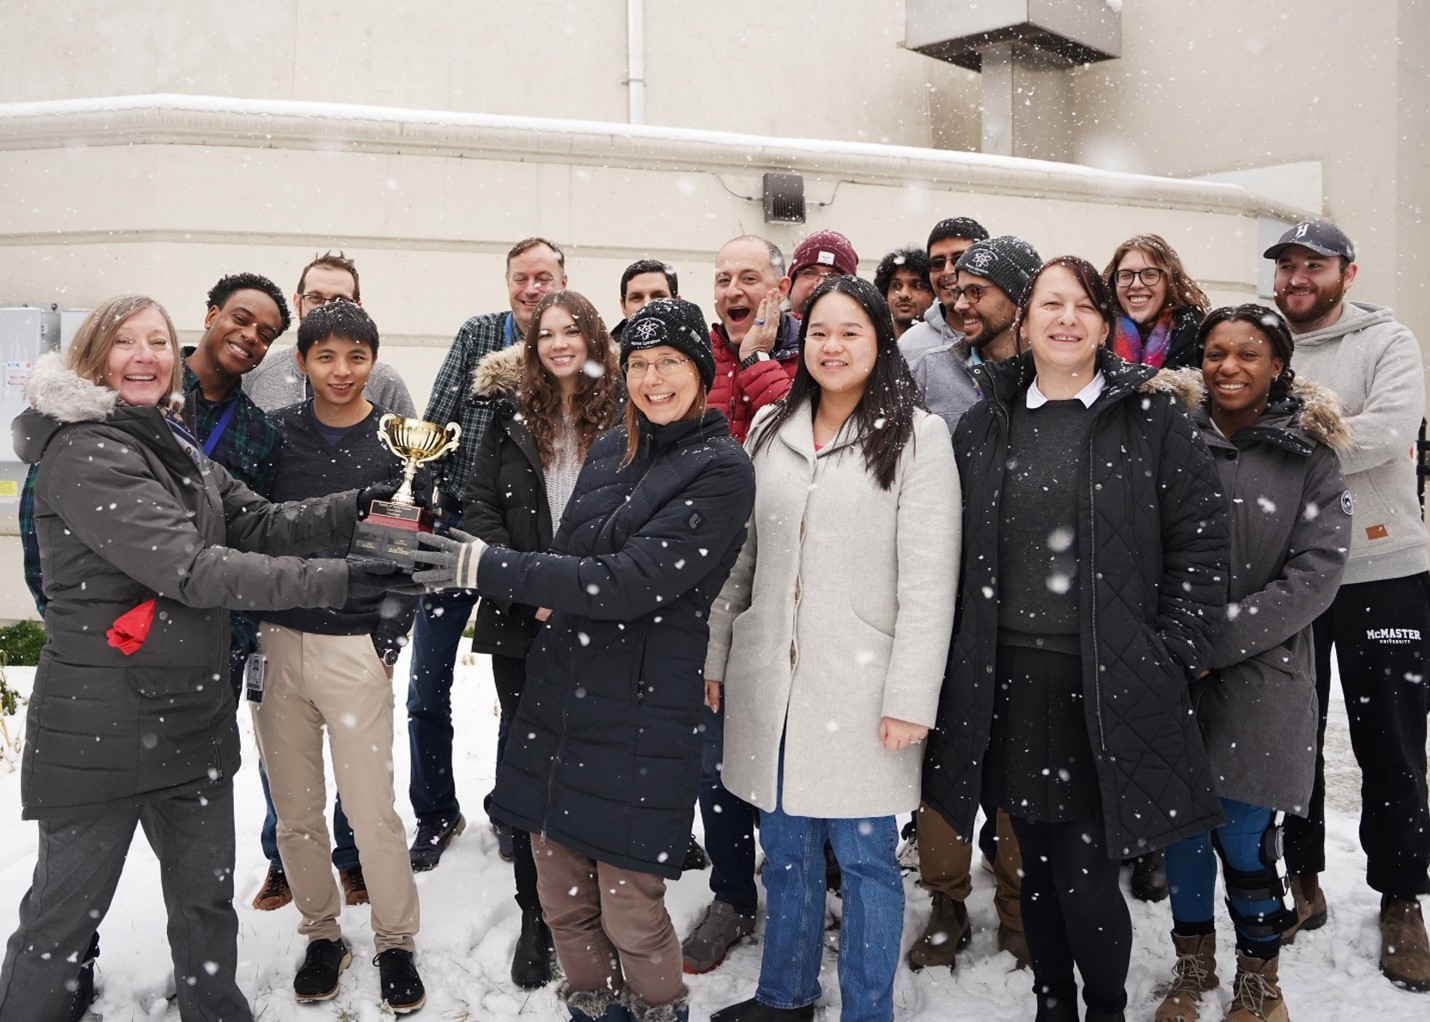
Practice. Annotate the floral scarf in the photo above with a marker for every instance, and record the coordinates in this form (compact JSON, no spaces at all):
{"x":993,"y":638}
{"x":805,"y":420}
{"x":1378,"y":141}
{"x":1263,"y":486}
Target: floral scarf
{"x":1130,"y":346}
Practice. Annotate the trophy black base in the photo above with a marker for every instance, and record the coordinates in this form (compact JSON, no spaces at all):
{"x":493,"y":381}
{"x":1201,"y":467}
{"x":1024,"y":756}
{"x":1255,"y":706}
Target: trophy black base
{"x":389,"y":533}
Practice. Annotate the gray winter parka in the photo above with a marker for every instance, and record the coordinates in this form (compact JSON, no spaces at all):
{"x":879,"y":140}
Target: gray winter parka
{"x":1290,"y":530}
{"x":1152,"y":541}
{"x":124,"y":515}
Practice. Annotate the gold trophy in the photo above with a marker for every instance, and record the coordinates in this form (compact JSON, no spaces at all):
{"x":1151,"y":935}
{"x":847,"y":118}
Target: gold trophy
{"x":390,"y":530}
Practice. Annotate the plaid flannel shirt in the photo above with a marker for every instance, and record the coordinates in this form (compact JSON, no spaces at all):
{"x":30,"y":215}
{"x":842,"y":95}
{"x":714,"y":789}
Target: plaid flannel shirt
{"x":452,"y":400}
{"x":246,"y":450}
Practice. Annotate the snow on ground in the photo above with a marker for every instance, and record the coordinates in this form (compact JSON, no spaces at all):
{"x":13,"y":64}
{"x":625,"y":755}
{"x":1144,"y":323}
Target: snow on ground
{"x":470,"y":920}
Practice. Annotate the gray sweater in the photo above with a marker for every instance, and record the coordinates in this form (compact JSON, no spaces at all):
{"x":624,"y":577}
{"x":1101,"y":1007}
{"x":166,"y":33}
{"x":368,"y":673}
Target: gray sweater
{"x":933,"y":332}
{"x":1373,"y":364}
{"x":277,"y":383}
{"x":948,"y":387}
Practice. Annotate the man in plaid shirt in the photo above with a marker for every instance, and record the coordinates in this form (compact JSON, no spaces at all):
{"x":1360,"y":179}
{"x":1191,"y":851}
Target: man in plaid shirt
{"x":533,"y":267}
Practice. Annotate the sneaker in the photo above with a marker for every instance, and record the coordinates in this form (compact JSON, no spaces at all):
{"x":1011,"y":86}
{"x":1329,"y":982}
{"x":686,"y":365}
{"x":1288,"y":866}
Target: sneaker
{"x":275,"y":892}
{"x":354,"y":886}
{"x":1311,"y":910}
{"x":432,"y":840}
{"x":719,"y":929}
{"x":695,"y":857}
{"x":323,"y":963}
{"x":1404,"y":948}
{"x":402,"y":990}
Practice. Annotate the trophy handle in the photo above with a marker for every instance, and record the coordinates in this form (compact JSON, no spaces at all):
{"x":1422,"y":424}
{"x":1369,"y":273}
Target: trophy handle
{"x":382,"y":434}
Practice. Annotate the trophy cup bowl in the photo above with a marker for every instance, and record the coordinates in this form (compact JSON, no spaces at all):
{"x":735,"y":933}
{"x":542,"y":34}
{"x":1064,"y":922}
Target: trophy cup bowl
{"x":390,"y":530}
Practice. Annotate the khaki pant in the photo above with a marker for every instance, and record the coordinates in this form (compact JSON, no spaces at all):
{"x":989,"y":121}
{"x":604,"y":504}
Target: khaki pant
{"x":337,"y":682}
{"x":945,"y":864}
{"x":609,"y":925}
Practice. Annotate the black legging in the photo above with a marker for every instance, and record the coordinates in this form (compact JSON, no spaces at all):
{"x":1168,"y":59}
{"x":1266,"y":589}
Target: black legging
{"x":1073,"y":914}
{"x":509,"y":674}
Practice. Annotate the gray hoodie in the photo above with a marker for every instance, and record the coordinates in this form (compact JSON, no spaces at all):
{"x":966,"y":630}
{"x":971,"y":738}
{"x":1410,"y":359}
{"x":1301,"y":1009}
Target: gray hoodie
{"x":1373,"y":365}
{"x":948,"y":387}
{"x":933,"y":332}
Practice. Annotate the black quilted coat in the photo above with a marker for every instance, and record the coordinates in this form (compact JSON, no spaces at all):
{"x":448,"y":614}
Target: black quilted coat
{"x":1153,"y":538}
{"x":604,"y":753}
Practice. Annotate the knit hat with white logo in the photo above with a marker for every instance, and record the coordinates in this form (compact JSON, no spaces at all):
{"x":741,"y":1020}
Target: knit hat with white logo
{"x":674,"y":322}
{"x":1007,"y":261}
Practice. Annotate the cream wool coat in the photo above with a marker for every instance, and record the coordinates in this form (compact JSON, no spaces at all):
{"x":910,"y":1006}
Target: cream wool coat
{"x":837,"y":614}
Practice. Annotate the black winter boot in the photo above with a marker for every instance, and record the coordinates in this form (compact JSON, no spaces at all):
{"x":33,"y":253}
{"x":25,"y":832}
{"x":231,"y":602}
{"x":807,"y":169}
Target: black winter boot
{"x":531,"y":961}
{"x":753,"y":1011}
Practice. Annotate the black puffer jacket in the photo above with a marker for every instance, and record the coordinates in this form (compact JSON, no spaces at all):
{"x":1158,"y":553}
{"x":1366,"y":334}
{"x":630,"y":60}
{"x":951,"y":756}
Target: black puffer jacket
{"x":505,"y":503}
{"x":604,"y":753}
{"x":1153,"y":536}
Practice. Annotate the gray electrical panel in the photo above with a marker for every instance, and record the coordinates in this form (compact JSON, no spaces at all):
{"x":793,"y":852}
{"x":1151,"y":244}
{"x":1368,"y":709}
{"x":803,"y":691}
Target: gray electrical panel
{"x":26,"y":333}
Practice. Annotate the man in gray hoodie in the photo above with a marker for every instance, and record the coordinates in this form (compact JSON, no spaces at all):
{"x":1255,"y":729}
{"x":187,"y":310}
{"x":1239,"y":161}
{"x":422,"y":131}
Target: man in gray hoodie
{"x":941,"y":325}
{"x":1380,"y":621}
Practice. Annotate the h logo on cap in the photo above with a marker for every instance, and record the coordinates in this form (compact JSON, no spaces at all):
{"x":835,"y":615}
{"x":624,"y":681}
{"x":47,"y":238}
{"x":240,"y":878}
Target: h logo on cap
{"x":1302,"y":228}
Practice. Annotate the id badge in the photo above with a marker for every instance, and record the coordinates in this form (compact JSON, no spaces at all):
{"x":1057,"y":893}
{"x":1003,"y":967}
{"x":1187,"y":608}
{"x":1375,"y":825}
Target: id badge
{"x":255,"y":672}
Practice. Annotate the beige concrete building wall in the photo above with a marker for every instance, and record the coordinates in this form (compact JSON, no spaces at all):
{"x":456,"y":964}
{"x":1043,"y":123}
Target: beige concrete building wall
{"x":1224,"y":85}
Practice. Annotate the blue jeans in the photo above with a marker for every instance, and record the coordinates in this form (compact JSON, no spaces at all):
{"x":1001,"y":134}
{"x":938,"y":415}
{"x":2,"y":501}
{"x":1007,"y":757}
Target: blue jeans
{"x":345,"y":850}
{"x":1191,"y":869}
{"x":436,"y":634}
{"x":729,"y":825}
{"x":873,"y":922}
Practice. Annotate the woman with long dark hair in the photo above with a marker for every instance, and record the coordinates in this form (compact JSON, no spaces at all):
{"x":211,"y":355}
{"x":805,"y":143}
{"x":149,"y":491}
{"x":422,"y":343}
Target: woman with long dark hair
{"x":552,"y":396}
{"x":1275,"y":441}
{"x":602,"y":764}
{"x":831,"y":635}
{"x":1094,"y":568}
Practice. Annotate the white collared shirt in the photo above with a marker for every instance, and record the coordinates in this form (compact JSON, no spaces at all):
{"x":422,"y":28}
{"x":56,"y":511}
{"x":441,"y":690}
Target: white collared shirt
{"x":1088,"y":394}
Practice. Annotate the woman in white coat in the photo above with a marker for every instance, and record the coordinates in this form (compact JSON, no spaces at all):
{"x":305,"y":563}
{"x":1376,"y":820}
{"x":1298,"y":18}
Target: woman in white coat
{"x":829,"y":641}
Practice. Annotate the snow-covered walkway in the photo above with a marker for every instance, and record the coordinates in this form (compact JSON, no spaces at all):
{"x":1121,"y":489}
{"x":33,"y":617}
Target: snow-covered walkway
{"x":470,"y":921}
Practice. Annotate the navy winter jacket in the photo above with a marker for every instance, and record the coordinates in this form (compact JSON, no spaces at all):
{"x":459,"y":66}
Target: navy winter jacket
{"x":604,"y":753}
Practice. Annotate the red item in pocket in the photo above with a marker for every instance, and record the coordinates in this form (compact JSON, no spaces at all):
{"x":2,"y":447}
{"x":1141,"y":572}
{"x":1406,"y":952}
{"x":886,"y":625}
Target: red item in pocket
{"x":131,"y":628}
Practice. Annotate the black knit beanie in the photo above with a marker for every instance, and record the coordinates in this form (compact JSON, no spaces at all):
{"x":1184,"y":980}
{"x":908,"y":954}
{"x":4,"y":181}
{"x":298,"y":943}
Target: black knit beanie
{"x":1007,"y":261}
{"x":675,"y":322}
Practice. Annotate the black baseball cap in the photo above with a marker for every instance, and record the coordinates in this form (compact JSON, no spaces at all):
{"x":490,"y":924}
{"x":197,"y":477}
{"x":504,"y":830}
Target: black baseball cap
{"x":1320,"y":236}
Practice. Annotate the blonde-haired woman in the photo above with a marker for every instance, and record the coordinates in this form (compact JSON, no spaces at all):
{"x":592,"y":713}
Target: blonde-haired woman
{"x":143,"y":542}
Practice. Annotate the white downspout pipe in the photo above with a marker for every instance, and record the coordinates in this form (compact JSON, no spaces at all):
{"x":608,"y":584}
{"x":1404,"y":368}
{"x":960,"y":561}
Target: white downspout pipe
{"x":635,"y":59}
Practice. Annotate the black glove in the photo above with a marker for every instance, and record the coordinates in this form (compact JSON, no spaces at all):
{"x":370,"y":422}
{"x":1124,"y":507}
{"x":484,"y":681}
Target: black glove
{"x":370,"y":577}
{"x":376,"y":491}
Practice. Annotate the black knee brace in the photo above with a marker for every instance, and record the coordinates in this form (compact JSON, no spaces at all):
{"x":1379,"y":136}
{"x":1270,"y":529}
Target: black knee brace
{"x":1263,"y":884}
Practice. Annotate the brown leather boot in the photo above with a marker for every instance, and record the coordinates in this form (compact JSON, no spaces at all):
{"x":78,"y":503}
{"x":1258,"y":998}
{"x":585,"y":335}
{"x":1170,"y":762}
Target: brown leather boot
{"x":1015,"y":942}
{"x":1310,"y":905}
{"x":947,"y":933}
{"x":1193,"y":975}
{"x":1404,"y":949}
{"x":1258,"y":993}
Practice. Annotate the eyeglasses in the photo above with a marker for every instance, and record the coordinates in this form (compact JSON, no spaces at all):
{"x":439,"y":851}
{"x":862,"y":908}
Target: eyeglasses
{"x":972,"y":294}
{"x":665,"y":366}
{"x":1148,"y":275}
{"x":316,"y":301}
{"x":937,"y":263}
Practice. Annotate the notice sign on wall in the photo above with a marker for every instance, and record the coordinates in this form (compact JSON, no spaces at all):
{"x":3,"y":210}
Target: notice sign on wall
{"x":17,"y":374}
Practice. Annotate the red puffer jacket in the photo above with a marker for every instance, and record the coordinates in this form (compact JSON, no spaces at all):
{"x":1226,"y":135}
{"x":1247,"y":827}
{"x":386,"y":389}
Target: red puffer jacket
{"x":740,"y":393}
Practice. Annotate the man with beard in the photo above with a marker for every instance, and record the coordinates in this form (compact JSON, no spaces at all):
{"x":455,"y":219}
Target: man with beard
{"x":903,"y":279}
{"x":983,"y":300}
{"x":1380,"y":619}
{"x":940,"y":325}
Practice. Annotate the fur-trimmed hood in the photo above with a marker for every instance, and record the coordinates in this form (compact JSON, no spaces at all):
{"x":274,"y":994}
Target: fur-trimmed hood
{"x":54,"y":390}
{"x":499,"y":373}
{"x":59,"y":398}
{"x":1322,"y":416}
{"x":1186,"y":385}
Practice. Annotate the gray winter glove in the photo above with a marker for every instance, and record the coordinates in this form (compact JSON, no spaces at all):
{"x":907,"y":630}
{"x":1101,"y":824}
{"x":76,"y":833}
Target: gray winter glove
{"x":453,"y":557}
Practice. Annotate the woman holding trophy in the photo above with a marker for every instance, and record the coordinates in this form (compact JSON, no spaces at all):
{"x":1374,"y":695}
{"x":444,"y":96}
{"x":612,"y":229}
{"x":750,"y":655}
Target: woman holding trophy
{"x":602,"y":764}
{"x":552,"y":396}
